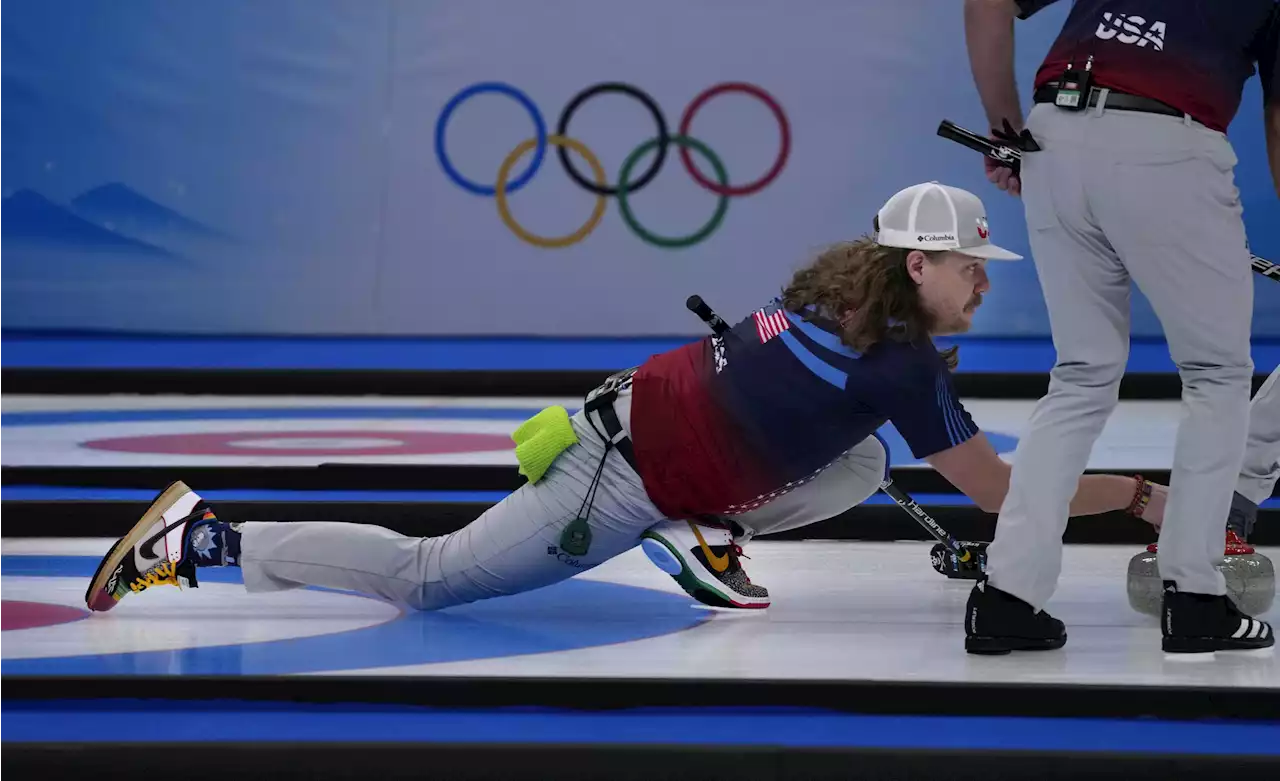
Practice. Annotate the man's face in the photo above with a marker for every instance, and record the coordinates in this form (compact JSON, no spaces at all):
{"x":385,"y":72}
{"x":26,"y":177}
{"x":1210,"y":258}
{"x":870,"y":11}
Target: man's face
{"x":951,"y":289}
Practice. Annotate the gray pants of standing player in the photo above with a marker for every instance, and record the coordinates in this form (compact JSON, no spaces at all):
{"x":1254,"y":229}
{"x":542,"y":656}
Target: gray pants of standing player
{"x":514,"y":546}
{"x":1117,"y":196}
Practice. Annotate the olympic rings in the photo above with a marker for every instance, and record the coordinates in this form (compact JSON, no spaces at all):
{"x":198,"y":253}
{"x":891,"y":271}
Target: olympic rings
{"x":562,"y":128}
{"x":505,"y":213}
{"x":783,"y":152}
{"x":684,"y":142}
{"x":503,"y":89}
{"x":600,"y":187}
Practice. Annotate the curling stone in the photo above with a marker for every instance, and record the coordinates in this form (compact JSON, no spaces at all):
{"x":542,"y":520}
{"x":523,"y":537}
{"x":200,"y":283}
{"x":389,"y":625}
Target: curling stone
{"x":1251,"y":579}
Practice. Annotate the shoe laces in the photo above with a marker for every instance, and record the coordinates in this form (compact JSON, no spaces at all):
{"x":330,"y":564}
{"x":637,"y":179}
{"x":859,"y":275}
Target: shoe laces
{"x":735,"y":552}
{"x":162,"y":574}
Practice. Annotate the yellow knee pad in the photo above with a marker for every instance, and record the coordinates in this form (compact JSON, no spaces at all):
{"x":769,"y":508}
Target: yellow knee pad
{"x":541,"y":439}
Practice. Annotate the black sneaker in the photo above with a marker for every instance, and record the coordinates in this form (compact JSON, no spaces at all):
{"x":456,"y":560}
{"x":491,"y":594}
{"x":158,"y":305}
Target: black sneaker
{"x":1204,"y":623}
{"x":997,"y":622}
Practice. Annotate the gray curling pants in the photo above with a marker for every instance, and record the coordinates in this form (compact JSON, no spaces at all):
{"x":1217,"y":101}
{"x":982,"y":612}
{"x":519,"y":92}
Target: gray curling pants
{"x":1262,"y":450}
{"x":1117,"y":196}
{"x":514,"y":546}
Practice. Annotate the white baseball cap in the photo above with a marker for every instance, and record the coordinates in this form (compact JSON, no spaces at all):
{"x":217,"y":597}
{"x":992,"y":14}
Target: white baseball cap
{"x":934,"y":216}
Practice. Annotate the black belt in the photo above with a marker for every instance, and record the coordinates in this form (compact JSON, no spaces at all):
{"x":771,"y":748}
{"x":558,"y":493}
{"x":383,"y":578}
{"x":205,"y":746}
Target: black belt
{"x":601,"y":402}
{"x":1116,"y":100}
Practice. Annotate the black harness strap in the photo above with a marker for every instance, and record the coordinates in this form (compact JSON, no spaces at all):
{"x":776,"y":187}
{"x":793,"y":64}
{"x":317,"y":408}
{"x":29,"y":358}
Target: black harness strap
{"x":600,"y":402}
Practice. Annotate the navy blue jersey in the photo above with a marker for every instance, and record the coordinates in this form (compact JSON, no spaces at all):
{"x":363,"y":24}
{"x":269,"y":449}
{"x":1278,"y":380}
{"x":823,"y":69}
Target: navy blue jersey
{"x":725,"y":423}
{"x":1194,"y":55}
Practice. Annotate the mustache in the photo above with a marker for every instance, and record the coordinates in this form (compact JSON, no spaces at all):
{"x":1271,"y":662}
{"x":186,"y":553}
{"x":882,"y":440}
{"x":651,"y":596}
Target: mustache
{"x":974,"y":302}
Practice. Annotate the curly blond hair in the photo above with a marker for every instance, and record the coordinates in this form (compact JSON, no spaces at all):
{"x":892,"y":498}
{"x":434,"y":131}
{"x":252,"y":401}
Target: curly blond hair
{"x":865,"y":287}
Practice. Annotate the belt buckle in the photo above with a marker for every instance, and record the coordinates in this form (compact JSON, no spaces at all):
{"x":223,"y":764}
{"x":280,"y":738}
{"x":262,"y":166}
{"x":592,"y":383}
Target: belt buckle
{"x":598,"y":395}
{"x":610,"y":387}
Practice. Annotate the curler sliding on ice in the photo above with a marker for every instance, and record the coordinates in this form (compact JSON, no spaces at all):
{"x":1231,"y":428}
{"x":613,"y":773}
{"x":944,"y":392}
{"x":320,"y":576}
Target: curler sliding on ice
{"x":764,"y":427}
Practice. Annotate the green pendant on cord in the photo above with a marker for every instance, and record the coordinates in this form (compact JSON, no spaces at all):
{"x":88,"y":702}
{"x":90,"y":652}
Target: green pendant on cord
{"x":576,"y":538}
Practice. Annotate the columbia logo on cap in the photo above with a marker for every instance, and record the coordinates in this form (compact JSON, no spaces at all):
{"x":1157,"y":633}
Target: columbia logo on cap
{"x":933,"y":216}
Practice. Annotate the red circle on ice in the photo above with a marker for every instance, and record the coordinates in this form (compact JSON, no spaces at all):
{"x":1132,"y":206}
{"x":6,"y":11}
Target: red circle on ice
{"x":305,"y":443}
{"x":29,"y":615}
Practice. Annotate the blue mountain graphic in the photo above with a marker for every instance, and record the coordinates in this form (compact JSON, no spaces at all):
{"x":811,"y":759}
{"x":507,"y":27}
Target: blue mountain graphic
{"x":122,"y":210}
{"x":27,"y":217}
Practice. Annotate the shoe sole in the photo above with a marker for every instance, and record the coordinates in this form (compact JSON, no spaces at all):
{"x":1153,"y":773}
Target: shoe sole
{"x":994,"y":646}
{"x":95,"y":597}
{"x":1207,"y":645}
{"x":667,"y":559}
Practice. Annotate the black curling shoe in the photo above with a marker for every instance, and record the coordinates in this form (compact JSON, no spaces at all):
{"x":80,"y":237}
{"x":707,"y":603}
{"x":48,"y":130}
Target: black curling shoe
{"x":1204,"y":623}
{"x":997,"y":622}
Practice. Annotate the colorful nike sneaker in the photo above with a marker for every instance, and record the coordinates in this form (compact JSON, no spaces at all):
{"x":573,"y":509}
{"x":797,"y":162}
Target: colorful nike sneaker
{"x":704,"y":560}
{"x":177,"y":532}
